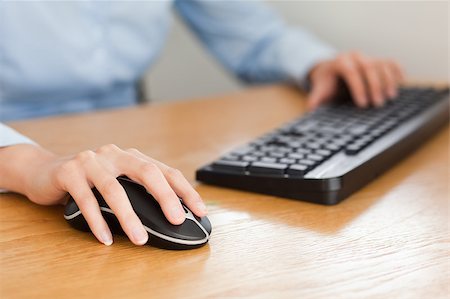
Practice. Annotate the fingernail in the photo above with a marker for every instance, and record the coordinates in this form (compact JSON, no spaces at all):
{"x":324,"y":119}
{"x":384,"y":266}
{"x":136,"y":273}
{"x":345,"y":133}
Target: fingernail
{"x":107,"y":238}
{"x":201,"y":206}
{"x":140,"y":236}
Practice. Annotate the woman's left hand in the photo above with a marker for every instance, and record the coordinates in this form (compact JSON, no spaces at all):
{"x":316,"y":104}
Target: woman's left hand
{"x":371,"y":81}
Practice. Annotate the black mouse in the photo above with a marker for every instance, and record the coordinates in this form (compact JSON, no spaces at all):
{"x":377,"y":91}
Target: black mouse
{"x":194,"y":232}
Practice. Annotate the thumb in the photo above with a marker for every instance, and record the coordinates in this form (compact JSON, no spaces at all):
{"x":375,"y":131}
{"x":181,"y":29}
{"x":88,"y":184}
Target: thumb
{"x":323,"y":87}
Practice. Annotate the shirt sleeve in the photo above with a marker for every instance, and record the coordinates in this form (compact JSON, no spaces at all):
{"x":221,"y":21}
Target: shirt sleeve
{"x":9,"y":136}
{"x":252,"y":41}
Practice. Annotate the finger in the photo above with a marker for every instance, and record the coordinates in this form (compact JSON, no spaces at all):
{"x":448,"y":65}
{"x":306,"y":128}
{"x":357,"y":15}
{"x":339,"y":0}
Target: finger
{"x":323,"y":88}
{"x":371,"y":72}
{"x":184,"y":189}
{"x":149,"y":175}
{"x":78,"y":187}
{"x":179,"y":184}
{"x":398,"y":71}
{"x":116,"y":198}
{"x":390,"y":82}
{"x":90,"y":210}
{"x":349,"y":71}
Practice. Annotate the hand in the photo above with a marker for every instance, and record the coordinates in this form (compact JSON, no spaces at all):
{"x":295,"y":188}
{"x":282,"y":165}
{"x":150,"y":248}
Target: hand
{"x":48,"y":181}
{"x":371,"y":81}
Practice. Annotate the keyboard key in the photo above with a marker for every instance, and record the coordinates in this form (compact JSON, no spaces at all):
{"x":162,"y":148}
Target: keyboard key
{"x":294,"y":144}
{"x":332,"y":147}
{"x":230,"y":158}
{"x":313,"y":145}
{"x":258,"y":154}
{"x":307,"y":162}
{"x":297,"y":169}
{"x":267,"y":168}
{"x":243,"y":150}
{"x":249,"y":158}
{"x":267,"y":148}
{"x":314,"y":157}
{"x":303,"y":151}
{"x":234,"y":166}
{"x":323,"y":152}
{"x":287,"y":161}
{"x":342,"y":141}
{"x":353,"y":149}
{"x":276,"y":155}
{"x":376,"y":133}
{"x":269,"y":159}
{"x":284,"y":149}
{"x":296,"y":156}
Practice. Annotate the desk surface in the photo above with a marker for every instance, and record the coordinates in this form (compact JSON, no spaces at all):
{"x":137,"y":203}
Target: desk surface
{"x":389,"y":240}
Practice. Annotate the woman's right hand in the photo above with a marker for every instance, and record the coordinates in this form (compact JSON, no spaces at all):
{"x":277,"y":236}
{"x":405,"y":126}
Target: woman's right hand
{"x":48,"y":178}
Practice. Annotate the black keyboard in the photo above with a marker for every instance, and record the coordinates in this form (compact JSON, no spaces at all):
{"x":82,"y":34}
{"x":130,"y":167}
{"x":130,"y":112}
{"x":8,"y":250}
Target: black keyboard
{"x":326,"y":155}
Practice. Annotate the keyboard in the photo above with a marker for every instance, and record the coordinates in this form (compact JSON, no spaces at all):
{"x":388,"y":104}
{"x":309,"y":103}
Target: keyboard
{"x":328,"y":154}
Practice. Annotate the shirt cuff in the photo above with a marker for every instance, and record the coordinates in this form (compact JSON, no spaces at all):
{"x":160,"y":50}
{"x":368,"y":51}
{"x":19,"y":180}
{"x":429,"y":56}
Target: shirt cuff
{"x":9,"y":137}
{"x":307,"y":52}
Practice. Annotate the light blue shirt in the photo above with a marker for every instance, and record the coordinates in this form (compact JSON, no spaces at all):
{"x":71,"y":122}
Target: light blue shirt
{"x":60,"y":57}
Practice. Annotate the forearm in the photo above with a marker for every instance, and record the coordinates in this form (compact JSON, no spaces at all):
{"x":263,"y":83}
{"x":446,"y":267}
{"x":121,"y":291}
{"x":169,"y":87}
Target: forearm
{"x":252,"y":41}
{"x":18,"y":165}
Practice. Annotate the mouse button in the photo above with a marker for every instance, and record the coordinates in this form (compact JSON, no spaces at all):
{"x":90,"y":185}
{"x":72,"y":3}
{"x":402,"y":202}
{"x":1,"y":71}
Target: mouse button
{"x":139,"y":198}
{"x":188,"y":230}
{"x":204,"y":221}
{"x":147,"y":209}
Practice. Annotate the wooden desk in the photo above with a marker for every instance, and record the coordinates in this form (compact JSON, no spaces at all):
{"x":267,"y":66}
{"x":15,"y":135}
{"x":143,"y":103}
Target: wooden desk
{"x":390,"y":240}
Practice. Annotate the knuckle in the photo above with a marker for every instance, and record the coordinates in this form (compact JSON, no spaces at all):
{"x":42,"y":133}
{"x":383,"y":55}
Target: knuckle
{"x":342,"y":59}
{"x":109,"y":187}
{"x":166,"y":198}
{"x":85,"y":156}
{"x":108,"y":148}
{"x":345,"y":65}
{"x":390,"y":62}
{"x":133,"y":150}
{"x":65,"y":172}
{"x":196,"y":196}
{"x":174,"y":173}
{"x":367,"y":63}
{"x":371,"y":67}
{"x":344,"y":55}
{"x":356,"y":55}
{"x":386,"y":68}
{"x":148,"y":169}
{"x":69,"y":166}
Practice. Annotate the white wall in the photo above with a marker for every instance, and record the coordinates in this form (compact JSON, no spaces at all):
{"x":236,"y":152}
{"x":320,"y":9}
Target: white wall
{"x":416,"y":33}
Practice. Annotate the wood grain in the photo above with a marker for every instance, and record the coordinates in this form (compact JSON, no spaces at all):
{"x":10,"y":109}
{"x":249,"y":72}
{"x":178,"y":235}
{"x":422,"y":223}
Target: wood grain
{"x":389,"y":240}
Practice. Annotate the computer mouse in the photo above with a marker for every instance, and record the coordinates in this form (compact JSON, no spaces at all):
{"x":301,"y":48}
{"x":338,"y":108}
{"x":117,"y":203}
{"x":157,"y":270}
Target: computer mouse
{"x":194,"y":232}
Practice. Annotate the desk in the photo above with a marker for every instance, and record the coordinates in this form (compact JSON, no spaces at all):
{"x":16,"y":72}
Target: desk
{"x":389,"y":240}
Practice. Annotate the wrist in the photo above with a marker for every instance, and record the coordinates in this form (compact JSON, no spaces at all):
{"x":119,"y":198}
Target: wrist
{"x":19,"y":166}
